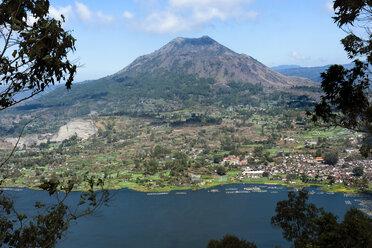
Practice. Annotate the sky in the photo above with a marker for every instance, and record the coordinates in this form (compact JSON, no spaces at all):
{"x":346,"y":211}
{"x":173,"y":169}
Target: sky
{"x":112,"y":33}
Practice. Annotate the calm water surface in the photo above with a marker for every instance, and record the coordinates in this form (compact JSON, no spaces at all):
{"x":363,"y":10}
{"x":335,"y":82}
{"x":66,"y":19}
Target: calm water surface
{"x":136,"y":219}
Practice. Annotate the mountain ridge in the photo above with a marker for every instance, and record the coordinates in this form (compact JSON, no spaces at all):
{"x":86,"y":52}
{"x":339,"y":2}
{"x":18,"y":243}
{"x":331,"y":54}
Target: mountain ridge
{"x":208,"y":59}
{"x":312,"y":73}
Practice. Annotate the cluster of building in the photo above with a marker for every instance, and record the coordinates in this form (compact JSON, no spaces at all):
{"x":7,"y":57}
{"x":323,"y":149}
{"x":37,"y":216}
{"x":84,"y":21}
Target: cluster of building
{"x":306,"y":165}
{"x":234,"y":160}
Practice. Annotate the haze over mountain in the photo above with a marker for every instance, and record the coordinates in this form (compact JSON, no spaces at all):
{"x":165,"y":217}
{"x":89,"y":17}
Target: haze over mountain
{"x":312,"y":73}
{"x":282,"y":67}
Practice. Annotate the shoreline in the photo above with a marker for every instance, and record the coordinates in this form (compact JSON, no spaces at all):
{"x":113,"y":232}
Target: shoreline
{"x":336,"y":188}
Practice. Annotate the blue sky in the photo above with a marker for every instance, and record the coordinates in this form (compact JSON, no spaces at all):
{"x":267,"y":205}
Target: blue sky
{"x":112,"y":33}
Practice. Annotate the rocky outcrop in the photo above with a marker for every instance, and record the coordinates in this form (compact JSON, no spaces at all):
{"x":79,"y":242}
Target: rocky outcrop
{"x":80,"y":127}
{"x":27,"y":141}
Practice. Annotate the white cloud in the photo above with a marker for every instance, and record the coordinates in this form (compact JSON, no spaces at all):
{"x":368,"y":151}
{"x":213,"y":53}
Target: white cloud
{"x":83,"y":11}
{"x":206,"y":3}
{"x":185,"y":15}
{"x":57,"y":12}
{"x":297,"y":56}
{"x":252,"y":15}
{"x":105,"y":19}
{"x":329,"y":6}
{"x":162,"y":22}
{"x":128,"y":15}
{"x":31,"y":19}
{"x":166,"y":16}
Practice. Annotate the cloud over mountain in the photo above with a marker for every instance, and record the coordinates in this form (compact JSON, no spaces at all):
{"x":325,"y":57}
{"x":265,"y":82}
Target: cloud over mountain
{"x":164,"y":16}
{"x":186,"y":15}
{"x":82,"y":12}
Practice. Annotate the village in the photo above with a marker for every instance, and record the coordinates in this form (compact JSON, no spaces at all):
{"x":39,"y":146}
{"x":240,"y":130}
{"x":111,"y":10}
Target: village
{"x":305,"y":167}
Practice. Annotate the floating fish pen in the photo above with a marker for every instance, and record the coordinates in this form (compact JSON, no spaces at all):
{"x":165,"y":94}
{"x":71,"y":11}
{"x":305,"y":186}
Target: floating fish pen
{"x":260,"y":191}
{"x":238,"y":192}
{"x":256,"y":190}
{"x":252,"y":188}
{"x":366,"y":211}
{"x":275,"y":187}
{"x":365,"y":203}
{"x":11,"y":189}
{"x":351,"y":195}
{"x":158,"y":193}
{"x":231,"y":189}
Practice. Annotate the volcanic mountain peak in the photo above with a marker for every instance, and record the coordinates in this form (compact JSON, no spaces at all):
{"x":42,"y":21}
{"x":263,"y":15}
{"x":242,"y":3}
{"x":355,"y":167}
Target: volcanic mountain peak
{"x":204,"y":40}
{"x":203,"y":44}
{"x":205,"y":58}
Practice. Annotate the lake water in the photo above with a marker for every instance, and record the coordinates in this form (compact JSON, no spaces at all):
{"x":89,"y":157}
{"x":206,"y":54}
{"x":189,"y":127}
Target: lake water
{"x":185,"y":219}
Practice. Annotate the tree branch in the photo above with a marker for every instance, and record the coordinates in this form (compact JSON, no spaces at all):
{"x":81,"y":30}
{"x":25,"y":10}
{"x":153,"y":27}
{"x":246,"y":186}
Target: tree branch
{"x":10,"y":34}
{"x":23,"y":99}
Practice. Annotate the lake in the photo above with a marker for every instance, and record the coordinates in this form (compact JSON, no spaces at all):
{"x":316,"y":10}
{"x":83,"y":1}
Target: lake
{"x":185,"y":218}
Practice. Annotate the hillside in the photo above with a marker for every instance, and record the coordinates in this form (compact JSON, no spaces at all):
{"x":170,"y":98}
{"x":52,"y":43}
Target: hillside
{"x":182,"y":74}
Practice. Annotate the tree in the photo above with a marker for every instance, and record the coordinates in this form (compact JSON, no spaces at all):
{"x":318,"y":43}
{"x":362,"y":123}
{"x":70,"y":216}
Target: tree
{"x":347,"y":91}
{"x":361,"y":183}
{"x":295,"y":217}
{"x":309,"y":226}
{"x":32,"y":57}
{"x":358,"y":171}
{"x":230,"y":241}
{"x":331,"y":157}
{"x":52,"y":220}
{"x":33,"y":54}
{"x":217,"y":158}
{"x":221,"y":170}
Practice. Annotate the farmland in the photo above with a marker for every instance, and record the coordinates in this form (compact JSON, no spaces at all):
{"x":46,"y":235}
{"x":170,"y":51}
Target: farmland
{"x":195,"y":148}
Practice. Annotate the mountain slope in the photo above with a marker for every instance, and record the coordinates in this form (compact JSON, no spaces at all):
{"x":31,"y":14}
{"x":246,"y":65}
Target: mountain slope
{"x":183,"y":73}
{"x":206,"y":58}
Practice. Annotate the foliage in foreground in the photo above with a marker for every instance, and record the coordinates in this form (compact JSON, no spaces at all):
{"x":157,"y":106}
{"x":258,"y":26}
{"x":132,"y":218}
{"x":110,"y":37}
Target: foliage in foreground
{"x":32,"y":57}
{"x":309,"y":226}
{"x":52,"y":220}
{"x":348,"y":91}
{"x":230,"y":241}
{"x":34,"y":53}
